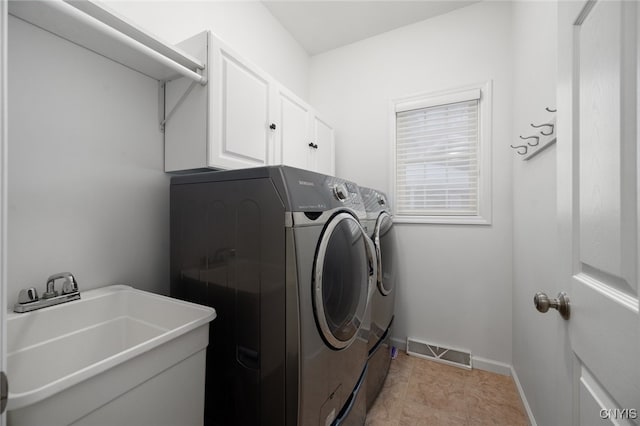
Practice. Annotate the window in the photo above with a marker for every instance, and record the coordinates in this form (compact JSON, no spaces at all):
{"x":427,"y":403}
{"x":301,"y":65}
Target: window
{"x":441,"y":158}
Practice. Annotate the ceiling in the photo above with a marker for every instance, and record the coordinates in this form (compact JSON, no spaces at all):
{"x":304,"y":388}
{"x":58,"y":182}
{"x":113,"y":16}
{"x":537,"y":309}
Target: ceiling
{"x":320,"y":26}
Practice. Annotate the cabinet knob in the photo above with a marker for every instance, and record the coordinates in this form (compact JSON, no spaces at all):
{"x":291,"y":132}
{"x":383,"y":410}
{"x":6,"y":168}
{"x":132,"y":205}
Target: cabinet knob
{"x":313,"y":145}
{"x":272,"y":126}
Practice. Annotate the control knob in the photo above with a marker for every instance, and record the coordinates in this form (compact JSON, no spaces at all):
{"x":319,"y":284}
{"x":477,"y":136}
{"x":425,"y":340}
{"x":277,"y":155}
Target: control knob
{"x":340,"y":192}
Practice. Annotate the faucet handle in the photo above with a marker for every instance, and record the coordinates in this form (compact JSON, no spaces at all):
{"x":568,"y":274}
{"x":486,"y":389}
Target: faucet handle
{"x":28,"y":295}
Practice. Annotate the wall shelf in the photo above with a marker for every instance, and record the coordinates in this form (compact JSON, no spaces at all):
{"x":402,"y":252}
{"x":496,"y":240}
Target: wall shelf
{"x":96,"y":27}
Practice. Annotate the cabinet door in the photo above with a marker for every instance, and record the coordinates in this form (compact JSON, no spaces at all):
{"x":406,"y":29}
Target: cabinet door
{"x":293,"y":132}
{"x":323,"y":138}
{"x":240,"y":94}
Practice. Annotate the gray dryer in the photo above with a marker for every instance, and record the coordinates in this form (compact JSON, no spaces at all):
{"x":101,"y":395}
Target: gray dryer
{"x":379,"y":225}
{"x":281,"y":255}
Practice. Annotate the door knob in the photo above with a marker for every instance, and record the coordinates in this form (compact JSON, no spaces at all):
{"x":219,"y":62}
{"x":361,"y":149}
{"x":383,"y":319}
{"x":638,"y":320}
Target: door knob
{"x":543,"y":303}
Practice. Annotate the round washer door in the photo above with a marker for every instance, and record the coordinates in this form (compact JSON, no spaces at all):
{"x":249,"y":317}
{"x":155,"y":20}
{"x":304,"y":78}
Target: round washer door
{"x":383,"y":238}
{"x":342,"y":276}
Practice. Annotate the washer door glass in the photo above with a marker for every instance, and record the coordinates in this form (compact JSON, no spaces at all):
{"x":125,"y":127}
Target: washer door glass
{"x":383,"y":237}
{"x":341,"y":280}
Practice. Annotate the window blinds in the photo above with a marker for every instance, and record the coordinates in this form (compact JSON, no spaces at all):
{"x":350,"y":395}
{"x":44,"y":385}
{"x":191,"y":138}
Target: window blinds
{"x":437,"y":171}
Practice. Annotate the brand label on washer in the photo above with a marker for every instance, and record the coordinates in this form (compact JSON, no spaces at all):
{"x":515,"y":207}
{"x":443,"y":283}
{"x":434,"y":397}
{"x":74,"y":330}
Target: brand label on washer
{"x":312,"y":206}
{"x":306,"y":183}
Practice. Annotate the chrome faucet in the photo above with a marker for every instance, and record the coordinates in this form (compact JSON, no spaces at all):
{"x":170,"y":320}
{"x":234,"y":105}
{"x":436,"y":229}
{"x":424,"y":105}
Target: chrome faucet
{"x":28,"y":299}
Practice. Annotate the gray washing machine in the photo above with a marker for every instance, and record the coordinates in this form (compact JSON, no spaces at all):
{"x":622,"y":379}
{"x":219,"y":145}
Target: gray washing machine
{"x":379,"y":226}
{"x":282,"y":256}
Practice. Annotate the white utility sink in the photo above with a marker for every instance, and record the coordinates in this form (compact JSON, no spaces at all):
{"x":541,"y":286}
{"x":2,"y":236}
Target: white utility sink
{"x":116,"y":356}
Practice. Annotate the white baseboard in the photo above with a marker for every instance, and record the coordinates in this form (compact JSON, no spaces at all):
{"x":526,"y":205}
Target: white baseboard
{"x":523,"y":398}
{"x":491,"y":365}
{"x":488,"y":365}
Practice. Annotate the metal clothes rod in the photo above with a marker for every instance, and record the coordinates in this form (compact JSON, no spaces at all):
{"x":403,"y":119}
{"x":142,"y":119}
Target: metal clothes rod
{"x":103,"y":13}
{"x":40,"y":13}
{"x":111,"y":32}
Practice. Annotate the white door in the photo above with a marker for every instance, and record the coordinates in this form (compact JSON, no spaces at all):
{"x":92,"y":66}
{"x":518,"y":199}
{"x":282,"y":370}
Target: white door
{"x":3,"y":191}
{"x":293,"y":134}
{"x":598,"y":205}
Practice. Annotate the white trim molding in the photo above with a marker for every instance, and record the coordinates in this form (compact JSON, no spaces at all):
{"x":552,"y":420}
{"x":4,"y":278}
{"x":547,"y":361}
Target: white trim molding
{"x":523,"y":398}
{"x":483,"y":91}
{"x":3,"y":187}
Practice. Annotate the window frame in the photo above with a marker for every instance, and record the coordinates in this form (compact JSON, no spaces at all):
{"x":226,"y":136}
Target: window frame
{"x":484,"y":216}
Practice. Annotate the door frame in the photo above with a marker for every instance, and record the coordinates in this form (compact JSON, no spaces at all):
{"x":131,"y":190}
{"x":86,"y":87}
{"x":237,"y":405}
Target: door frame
{"x":3,"y":187}
{"x":566,"y":204}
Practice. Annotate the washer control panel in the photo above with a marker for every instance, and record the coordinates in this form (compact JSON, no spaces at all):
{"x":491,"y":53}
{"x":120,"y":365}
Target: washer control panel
{"x":309,"y":191}
{"x":375,"y":201}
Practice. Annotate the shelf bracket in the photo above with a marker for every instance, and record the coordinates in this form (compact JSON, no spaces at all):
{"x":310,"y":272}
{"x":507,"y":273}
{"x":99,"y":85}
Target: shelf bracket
{"x":184,"y":96}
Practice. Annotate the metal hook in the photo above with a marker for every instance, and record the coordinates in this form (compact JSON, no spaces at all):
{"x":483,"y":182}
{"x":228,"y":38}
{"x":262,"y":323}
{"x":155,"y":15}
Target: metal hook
{"x":518,"y":149}
{"x":537,"y":138}
{"x":550,"y":132}
{"x":544,"y":125}
{"x":550,"y":109}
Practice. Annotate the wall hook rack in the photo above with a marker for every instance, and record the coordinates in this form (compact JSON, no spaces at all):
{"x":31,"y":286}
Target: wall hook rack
{"x":540,"y":141}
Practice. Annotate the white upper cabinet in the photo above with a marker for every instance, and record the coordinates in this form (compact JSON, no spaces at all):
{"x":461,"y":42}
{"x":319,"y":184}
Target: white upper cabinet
{"x":292,"y":136}
{"x":303,"y":139}
{"x":323,"y":149}
{"x":223,"y":125}
{"x":242,"y":118}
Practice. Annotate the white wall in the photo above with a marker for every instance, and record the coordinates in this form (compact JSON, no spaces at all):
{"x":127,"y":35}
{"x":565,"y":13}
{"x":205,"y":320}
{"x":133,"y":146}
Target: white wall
{"x":455,"y":287}
{"x":87,"y":192}
{"x":247,"y":26}
{"x":537,"y":338}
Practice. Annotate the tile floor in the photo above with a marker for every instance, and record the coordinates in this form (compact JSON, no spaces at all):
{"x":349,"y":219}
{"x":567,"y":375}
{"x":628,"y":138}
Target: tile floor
{"x":421,"y":392}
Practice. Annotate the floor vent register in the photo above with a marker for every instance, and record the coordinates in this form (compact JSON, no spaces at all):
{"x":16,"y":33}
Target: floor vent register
{"x":455,"y":357}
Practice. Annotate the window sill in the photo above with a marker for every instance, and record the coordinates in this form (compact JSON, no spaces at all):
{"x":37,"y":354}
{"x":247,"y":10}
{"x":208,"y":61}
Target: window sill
{"x":443,"y":220}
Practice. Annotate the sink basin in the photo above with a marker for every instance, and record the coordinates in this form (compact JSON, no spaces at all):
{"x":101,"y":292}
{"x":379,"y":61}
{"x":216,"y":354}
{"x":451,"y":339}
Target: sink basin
{"x":79,"y":361}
